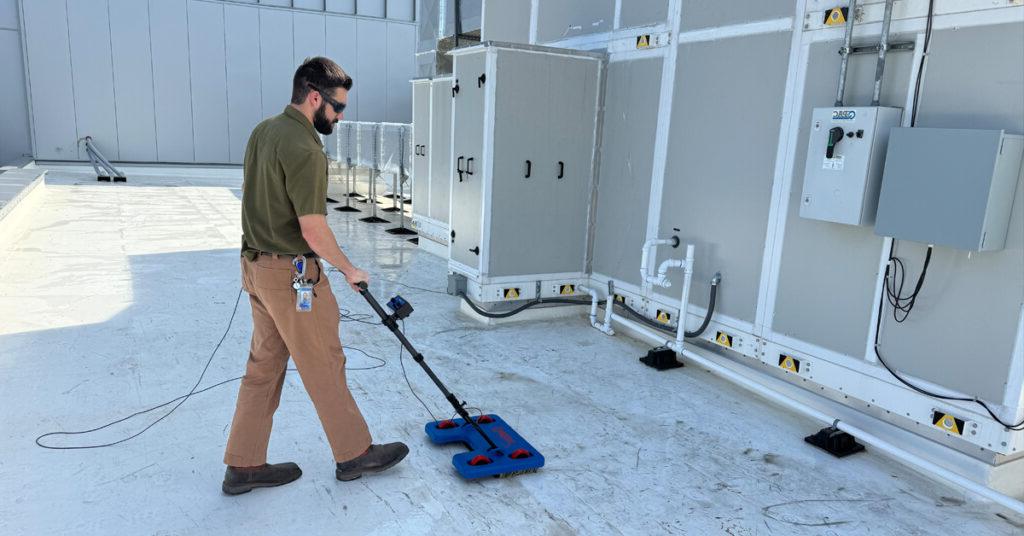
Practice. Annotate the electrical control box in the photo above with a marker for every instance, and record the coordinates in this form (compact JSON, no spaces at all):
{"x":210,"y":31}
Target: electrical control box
{"x":845,"y":157}
{"x":950,"y":187}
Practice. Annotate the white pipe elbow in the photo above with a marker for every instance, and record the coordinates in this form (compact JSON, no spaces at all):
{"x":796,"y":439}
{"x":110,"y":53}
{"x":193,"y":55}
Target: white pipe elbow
{"x":593,"y":311}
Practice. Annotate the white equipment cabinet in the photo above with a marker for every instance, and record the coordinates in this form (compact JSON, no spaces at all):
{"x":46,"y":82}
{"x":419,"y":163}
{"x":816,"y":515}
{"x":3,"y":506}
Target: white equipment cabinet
{"x":525,"y":124}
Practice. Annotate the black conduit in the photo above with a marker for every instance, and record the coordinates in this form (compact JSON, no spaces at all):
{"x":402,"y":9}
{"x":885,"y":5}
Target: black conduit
{"x":689,"y":334}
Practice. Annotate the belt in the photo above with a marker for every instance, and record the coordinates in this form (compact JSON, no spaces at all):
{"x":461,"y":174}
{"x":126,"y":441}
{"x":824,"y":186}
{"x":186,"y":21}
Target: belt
{"x":308,"y":255}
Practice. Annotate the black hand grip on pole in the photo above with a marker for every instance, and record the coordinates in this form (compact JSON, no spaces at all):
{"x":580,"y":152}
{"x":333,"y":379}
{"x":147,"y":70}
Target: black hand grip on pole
{"x":529,"y":169}
{"x":561,"y":169}
{"x":390,"y":322}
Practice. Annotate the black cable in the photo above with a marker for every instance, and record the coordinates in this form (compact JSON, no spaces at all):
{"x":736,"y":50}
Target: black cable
{"x":521,"y":308}
{"x":895,"y":274}
{"x":183,"y":398}
{"x":712,"y":299}
{"x":401,"y":362}
{"x":878,"y":329}
{"x":924,"y":57}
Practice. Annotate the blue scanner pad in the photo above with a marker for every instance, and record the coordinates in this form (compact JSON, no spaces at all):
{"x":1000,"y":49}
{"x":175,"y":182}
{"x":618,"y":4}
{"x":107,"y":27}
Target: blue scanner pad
{"x":514,"y":454}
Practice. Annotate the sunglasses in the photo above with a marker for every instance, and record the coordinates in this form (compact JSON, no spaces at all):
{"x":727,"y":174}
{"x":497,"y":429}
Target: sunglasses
{"x":338,"y":106}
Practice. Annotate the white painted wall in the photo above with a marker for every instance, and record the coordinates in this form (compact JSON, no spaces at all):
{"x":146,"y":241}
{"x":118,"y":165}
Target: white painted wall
{"x":186,"y":80}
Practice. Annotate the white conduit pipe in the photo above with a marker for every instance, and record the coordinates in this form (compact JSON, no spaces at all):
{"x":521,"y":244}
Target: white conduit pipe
{"x":604,"y":328}
{"x":645,"y":273}
{"x":684,"y":300}
{"x":878,"y":443}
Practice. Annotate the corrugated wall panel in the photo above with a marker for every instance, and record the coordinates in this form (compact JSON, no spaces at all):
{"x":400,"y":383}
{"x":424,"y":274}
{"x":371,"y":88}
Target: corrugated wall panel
{"x":401,"y":65}
{"x":245,"y":109}
{"x":95,"y":111}
{"x":168,"y":24}
{"x":277,"y":59}
{"x":49,"y":76}
{"x":209,"y":82}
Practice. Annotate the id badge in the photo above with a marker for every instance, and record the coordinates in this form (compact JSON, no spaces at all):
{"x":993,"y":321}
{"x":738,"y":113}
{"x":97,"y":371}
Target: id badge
{"x":304,"y":298}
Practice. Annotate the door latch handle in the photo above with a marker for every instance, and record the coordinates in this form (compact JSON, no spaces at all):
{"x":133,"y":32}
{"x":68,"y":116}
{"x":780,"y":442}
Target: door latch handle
{"x":529,"y":169}
{"x":458,"y":167}
{"x":561,"y":169}
{"x":455,"y":88}
{"x":481,"y":79}
{"x":475,"y":250}
{"x":469,"y":166}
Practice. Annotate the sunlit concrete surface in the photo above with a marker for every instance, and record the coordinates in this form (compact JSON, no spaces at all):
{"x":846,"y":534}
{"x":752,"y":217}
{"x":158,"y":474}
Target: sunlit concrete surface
{"x":113,"y":296}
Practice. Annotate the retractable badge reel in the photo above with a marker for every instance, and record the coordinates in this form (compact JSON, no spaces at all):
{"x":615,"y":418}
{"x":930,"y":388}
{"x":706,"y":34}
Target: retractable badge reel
{"x":303,"y":287}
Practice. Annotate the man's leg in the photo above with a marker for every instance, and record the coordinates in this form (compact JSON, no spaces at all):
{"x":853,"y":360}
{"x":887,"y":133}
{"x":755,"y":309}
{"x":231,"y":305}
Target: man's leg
{"x":312,"y":340}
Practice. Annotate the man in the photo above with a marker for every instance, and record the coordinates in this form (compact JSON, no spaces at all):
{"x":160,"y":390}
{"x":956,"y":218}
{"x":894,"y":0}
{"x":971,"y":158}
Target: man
{"x":294,"y":311}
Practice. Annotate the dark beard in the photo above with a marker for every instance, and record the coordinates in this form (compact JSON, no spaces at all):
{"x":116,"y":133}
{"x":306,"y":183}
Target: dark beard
{"x":320,"y":122}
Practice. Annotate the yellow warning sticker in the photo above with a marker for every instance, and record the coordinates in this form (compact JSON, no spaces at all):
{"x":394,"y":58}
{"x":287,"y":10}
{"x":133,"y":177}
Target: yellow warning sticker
{"x":948,"y":422}
{"x":789,"y":363}
{"x":511,"y":293}
{"x":836,"y":16}
{"x":566,"y":290}
{"x":724,"y":339}
{"x":643,"y":41}
{"x":663,"y":316}
{"x":620,"y":298}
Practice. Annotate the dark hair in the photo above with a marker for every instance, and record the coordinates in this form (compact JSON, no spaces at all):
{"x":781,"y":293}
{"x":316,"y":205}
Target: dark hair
{"x":320,"y":72}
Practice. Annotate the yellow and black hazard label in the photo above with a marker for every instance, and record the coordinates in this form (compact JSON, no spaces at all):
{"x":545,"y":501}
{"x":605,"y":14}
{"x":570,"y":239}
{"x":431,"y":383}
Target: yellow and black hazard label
{"x":790,"y":363}
{"x":663,"y":316}
{"x":619,"y":298}
{"x":836,"y":16}
{"x":566,"y":290}
{"x":948,"y":422}
{"x":511,"y":293}
{"x":723,"y":339}
{"x":643,"y":41}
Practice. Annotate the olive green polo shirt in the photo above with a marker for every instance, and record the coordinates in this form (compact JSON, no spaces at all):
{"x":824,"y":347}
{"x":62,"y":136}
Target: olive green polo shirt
{"x":285,"y":176}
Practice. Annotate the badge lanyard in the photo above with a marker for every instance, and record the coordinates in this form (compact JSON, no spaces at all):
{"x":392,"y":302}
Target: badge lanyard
{"x":303,"y":287}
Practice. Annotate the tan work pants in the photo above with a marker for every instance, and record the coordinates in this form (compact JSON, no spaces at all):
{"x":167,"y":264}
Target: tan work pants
{"x":311,"y":338}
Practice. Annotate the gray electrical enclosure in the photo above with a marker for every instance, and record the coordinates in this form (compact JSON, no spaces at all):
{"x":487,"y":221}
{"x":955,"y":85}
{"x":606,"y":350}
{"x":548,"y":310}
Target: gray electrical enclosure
{"x":525,"y":122}
{"x":845,"y":156}
{"x":949,"y":187}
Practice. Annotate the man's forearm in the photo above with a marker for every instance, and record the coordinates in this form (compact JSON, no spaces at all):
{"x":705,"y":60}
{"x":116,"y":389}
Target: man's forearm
{"x":322,"y":241}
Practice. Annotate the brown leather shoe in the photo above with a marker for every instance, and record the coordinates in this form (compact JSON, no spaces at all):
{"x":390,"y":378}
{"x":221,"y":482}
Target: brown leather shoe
{"x":377,"y":458}
{"x":237,"y":480}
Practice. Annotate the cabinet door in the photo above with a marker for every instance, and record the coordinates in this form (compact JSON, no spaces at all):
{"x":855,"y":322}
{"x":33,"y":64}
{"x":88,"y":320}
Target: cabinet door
{"x":467,"y":149}
{"x":421,"y":147}
{"x":440,"y":149}
{"x":520,"y":211}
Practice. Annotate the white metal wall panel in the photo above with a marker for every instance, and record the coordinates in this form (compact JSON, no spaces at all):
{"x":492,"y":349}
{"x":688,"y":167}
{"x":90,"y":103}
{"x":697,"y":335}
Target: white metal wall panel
{"x":277,"y":60}
{"x":718,"y":181}
{"x":206,"y":32}
{"x":168,"y":21}
{"x":370,"y":8}
{"x":372,"y":85}
{"x":506,"y":20}
{"x":341,"y":6}
{"x":624,"y":186}
{"x":310,"y":36}
{"x":242,"y":39}
{"x":278,"y":3}
{"x":401,"y":64}
{"x":133,"y":80}
{"x":824,"y":264}
{"x":316,"y":5}
{"x":49,"y":76}
{"x":401,"y":10}
{"x":711,"y":13}
{"x":559,"y":19}
{"x":644,"y":12}
{"x":342,"y":47}
{"x":15,"y":138}
{"x":9,"y":14}
{"x":961,"y":332}
{"x":95,"y":112}
{"x":421,"y":147}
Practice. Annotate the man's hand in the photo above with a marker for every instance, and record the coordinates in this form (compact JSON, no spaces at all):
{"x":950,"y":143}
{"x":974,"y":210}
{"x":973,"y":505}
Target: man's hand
{"x":355,"y":276}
